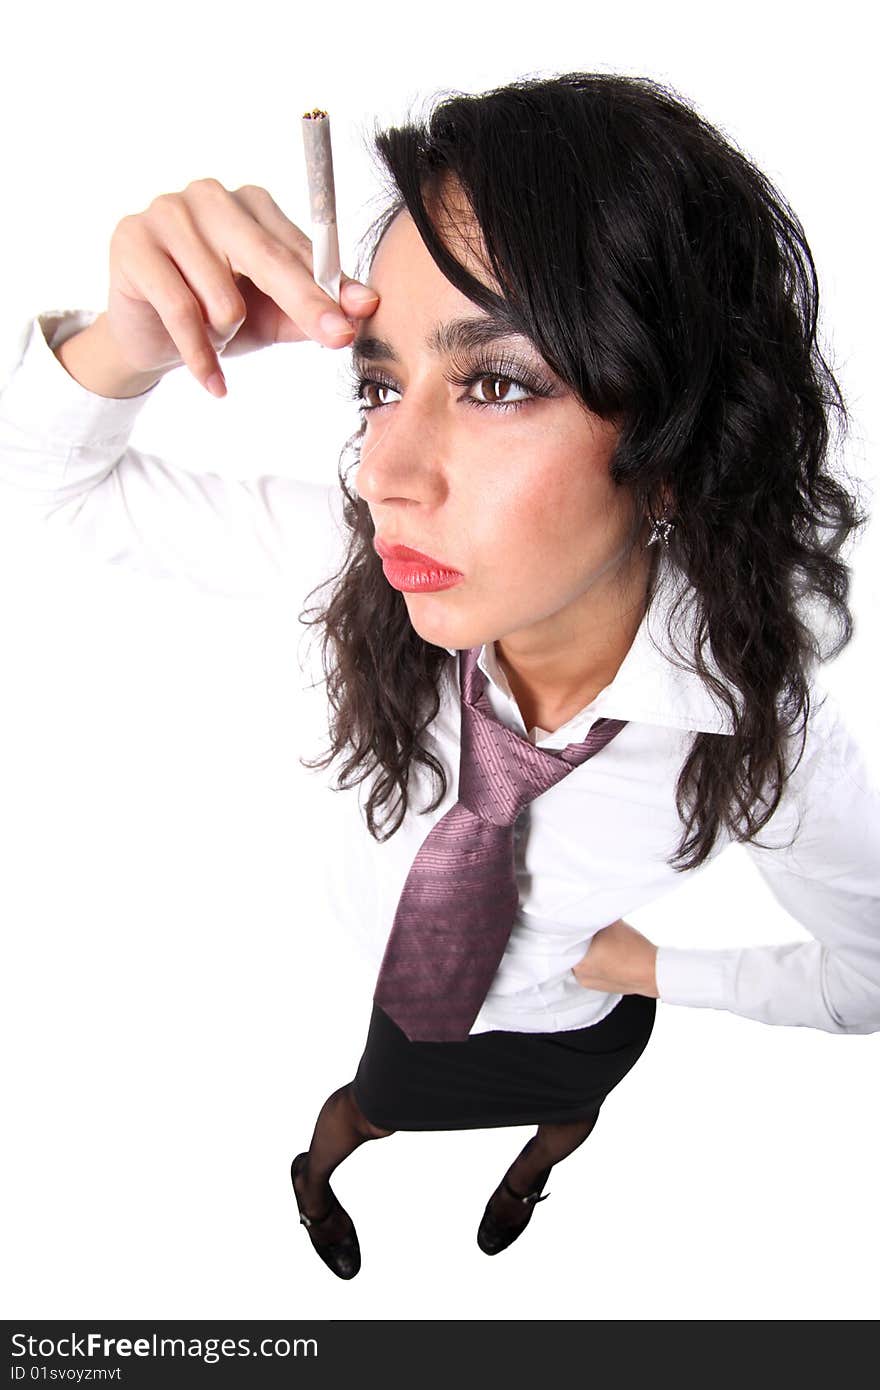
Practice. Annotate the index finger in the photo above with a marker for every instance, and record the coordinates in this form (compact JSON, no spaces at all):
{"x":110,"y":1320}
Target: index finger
{"x":260,"y":241}
{"x":356,"y":300}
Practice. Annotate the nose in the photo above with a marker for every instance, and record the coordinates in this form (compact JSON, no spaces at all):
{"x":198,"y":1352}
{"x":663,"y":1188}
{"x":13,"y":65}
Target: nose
{"x":402,"y":455}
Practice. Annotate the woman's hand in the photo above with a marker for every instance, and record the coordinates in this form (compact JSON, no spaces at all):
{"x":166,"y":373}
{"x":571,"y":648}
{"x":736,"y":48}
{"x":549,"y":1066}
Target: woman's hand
{"x":619,"y":960}
{"x":209,"y":271}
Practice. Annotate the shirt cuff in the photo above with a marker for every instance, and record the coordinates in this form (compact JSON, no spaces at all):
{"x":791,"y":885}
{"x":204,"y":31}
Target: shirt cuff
{"x":41,"y":398}
{"x":695,"y":977}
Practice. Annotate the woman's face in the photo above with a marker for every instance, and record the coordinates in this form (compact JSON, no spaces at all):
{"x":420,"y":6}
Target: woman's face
{"x":513,"y":493}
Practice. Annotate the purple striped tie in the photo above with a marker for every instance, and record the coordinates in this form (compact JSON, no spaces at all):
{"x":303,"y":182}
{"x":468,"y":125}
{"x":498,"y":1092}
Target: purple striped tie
{"x":460,"y":898}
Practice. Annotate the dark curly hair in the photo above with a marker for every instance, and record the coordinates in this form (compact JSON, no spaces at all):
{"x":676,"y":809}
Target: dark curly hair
{"x":669,"y":284}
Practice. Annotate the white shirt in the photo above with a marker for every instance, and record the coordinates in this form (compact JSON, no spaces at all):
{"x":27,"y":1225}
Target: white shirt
{"x":588,"y":851}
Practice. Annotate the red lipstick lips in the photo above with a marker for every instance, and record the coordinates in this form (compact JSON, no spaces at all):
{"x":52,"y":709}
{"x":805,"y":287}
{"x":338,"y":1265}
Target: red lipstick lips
{"x":412,"y":570}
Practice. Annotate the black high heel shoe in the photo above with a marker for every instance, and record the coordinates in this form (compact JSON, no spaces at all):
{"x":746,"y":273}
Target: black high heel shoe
{"x":495,"y":1235}
{"x":342,"y":1256}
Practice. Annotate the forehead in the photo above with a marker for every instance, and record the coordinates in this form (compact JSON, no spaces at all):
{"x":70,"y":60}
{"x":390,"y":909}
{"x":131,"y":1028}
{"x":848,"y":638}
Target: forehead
{"x":418,"y":304}
{"x":401,"y":247}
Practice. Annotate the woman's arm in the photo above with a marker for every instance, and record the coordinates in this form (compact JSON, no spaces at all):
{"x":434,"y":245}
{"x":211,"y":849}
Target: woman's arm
{"x":65,"y":461}
{"x":828,"y":880}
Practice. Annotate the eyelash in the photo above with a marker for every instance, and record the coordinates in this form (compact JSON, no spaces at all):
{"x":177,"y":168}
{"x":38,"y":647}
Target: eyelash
{"x":500,"y":369}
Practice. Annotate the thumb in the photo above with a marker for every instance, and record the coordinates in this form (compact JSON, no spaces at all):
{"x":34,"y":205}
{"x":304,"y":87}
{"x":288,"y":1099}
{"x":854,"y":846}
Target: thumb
{"x":356,"y":299}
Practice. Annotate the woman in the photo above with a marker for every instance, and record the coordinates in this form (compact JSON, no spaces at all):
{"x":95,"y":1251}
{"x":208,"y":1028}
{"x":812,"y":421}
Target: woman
{"x":594,"y":406}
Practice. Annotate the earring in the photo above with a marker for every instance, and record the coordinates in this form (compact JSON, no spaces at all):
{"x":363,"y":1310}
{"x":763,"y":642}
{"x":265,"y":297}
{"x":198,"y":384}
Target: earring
{"x":661,"y":530}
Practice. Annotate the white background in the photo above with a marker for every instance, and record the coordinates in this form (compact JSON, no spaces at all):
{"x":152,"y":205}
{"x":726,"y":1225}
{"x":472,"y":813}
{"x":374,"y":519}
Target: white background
{"x":177,"y":1001}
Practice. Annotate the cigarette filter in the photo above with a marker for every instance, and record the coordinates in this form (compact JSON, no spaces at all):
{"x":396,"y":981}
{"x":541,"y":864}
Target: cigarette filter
{"x":326,"y":269}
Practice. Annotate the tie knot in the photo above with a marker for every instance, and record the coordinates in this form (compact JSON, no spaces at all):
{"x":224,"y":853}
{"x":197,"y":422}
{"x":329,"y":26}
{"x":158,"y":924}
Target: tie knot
{"x":501,"y":772}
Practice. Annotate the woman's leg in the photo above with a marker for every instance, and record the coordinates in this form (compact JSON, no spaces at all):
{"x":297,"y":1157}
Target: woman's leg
{"x":340,"y":1128}
{"x":548,"y":1146}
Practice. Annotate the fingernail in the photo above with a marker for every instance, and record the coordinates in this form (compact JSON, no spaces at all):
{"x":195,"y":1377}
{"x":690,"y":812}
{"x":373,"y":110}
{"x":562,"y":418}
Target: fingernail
{"x":334,"y":325}
{"x":361,"y":294}
{"x":216,"y":384}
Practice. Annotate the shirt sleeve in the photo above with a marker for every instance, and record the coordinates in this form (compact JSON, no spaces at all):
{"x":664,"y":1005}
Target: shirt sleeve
{"x":820,"y":857}
{"x":66,"y":463}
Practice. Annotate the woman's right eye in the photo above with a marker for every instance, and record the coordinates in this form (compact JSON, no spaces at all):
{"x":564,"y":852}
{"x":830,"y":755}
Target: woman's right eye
{"x":360,"y":388}
{"x":377,"y":386}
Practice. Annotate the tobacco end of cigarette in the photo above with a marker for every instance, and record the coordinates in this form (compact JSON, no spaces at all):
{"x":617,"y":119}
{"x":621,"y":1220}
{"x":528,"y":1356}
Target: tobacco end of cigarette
{"x":319,"y":165}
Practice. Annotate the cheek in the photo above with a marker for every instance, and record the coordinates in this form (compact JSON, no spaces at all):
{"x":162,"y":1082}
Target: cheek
{"x":550,"y":502}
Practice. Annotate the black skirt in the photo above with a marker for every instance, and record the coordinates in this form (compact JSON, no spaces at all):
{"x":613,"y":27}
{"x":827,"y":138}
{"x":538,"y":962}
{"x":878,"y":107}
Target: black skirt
{"x":499,"y":1077}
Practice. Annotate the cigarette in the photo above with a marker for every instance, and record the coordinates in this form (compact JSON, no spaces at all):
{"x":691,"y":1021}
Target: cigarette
{"x":326,"y":270}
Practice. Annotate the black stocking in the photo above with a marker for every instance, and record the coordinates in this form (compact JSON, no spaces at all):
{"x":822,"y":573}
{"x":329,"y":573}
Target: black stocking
{"x":549,"y":1145}
{"x":340,"y":1128}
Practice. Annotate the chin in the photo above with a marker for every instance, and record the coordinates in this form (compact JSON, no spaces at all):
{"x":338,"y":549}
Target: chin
{"x":437,"y":622}
{"x":439,"y":634}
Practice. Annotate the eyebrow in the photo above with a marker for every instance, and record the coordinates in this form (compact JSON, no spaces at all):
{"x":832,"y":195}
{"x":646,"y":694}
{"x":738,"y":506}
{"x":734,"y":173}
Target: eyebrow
{"x":457,"y":335}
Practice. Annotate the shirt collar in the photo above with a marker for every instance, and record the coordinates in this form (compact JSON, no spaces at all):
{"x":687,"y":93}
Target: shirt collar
{"x":649,"y":687}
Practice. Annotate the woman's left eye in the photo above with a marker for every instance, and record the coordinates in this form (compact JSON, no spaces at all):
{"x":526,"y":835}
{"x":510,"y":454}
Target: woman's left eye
{"x":503,"y":397}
